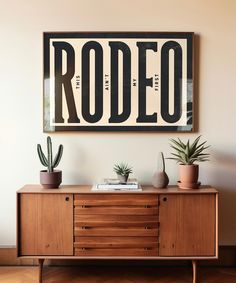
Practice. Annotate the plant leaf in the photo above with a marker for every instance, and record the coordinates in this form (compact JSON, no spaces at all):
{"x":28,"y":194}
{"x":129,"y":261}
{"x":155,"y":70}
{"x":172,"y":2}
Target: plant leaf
{"x":182,"y":146}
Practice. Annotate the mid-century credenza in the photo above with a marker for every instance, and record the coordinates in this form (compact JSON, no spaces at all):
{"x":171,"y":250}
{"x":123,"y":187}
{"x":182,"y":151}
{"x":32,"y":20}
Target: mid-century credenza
{"x":75,"y":222}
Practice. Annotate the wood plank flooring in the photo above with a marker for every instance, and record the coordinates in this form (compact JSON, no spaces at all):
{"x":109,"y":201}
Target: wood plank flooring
{"x":91,"y":274}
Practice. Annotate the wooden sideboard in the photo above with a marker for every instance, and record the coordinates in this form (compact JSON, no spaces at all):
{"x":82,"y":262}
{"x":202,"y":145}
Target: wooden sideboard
{"x":74,"y":222}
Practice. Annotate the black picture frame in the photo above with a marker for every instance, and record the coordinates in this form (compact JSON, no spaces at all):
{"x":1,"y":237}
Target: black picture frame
{"x":161,"y":64}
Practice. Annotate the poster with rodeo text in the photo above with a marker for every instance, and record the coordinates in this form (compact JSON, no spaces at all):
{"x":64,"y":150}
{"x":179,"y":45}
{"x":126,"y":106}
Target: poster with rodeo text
{"x":118,"y":81}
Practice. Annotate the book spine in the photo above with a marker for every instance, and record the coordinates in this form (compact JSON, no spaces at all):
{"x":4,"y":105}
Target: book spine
{"x":117,"y":187}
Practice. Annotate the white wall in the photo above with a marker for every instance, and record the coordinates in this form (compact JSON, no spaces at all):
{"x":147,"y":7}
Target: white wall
{"x":90,"y":156}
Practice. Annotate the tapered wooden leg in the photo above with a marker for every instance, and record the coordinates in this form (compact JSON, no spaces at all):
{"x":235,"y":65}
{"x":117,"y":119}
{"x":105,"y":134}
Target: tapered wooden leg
{"x":41,"y":260}
{"x":194,"y":263}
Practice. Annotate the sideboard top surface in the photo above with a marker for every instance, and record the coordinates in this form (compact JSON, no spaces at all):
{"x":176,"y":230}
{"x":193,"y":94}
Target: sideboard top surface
{"x":86,"y":189}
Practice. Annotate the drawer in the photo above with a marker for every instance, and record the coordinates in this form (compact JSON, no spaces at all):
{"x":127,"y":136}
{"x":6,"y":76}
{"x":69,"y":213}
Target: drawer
{"x":115,"y":205}
{"x":115,"y":200}
{"x":111,"y":215}
{"x":112,"y":231}
{"x":116,"y":252}
{"x":117,"y":220}
{"x":115,"y":242}
{"x":116,"y":225}
{"x":112,"y":225}
{"x":114,"y":210}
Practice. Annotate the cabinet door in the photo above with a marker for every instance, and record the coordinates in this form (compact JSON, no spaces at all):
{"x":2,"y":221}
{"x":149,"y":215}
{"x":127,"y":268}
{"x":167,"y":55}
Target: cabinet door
{"x":187,"y":225}
{"x":46,"y":224}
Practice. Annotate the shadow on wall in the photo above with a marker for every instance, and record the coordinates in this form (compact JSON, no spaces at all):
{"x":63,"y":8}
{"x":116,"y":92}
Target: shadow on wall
{"x":222,"y":175}
{"x":80,"y":168}
{"x":75,"y":157}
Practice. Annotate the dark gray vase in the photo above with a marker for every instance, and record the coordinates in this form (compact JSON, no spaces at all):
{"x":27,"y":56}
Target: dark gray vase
{"x":160,"y":179}
{"x":50,"y":180}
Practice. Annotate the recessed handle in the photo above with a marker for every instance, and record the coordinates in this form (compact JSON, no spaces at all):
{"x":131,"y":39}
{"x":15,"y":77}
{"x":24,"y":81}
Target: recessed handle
{"x":67,"y":199}
{"x":165,"y":199}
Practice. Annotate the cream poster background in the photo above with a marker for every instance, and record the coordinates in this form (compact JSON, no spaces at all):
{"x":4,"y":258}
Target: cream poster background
{"x":153,"y":72}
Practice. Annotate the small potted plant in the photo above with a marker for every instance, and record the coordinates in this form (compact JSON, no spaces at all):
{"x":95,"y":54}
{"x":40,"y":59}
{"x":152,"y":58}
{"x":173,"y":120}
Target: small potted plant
{"x":122,"y":170}
{"x":50,"y":178}
{"x":187,"y":155}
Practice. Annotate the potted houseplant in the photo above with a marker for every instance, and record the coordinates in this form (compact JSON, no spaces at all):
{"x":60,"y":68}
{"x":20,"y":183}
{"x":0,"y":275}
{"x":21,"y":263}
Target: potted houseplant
{"x":122,"y":170}
{"x":187,"y":154}
{"x":50,"y":178}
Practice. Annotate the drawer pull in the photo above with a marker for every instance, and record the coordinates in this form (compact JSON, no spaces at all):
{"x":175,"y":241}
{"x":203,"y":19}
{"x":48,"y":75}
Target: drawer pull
{"x":67,"y":199}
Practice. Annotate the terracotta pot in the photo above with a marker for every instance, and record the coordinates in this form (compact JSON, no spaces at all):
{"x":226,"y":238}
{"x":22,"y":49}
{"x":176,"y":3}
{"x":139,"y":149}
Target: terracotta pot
{"x":188,"y":173}
{"x":50,"y":180}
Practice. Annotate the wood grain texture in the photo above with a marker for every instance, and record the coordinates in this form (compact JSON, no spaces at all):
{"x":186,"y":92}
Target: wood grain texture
{"x":86,"y":189}
{"x":194,"y":264}
{"x":217,"y":226}
{"x":188,"y":225}
{"x":119,"y":238}
{"x":118,"y":274}
{"x":40,"y":270}
{"x":128,"y":223}
{"x":114,"y":200}
{"x":8,"y":256}
{"x":117,"y":252}
{"x":103,"y":231}
{"x":116,"y":242}
{"x":116,"y":223}
{"x":114,"y":210}
{"x":114,"y":218}
{"x":46,"y":224}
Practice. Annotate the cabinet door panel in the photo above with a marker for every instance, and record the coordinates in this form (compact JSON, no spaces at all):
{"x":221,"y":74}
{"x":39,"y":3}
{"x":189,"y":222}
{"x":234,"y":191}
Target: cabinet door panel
{"x":187,"y":225}
{"x":46,"y":224}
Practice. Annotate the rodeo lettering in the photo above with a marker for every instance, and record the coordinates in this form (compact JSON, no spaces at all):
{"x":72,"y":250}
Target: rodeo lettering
{"x":63,"y":80}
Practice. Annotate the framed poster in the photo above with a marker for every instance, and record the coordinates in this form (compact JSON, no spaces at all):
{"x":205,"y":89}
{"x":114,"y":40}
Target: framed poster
{"x":118,"y":81}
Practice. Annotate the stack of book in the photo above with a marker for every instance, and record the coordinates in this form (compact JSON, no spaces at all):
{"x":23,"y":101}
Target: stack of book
{"x":116,"y":185}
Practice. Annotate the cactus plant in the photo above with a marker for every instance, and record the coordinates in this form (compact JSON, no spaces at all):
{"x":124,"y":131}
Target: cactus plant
{"x":49,"y":162}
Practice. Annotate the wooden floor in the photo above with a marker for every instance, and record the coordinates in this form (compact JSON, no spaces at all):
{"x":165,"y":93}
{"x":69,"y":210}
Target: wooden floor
{"x":116,"y":275}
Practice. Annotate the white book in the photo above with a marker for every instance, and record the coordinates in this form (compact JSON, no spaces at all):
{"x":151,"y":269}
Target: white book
{"x":110,"y":181}
{"x":115,"y":183}
{"x":100,"y":187}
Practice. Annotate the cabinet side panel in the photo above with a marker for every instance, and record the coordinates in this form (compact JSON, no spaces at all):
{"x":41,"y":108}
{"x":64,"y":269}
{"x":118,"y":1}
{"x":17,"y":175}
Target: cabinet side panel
{"x":188,"y":225}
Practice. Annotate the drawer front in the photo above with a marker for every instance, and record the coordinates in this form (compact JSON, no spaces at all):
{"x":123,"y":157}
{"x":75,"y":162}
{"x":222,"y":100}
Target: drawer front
{"x":116,"y":252}
{"x":115,"y":225}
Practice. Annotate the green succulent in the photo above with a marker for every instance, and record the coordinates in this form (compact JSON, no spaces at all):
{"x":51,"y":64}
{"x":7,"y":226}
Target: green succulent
{"x":122,"y":169}
{"x":188,"y":154}
{"x":48,"y":161}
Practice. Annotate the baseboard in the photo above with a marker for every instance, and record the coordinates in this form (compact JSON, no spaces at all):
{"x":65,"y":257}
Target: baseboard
{"x":8,"y":256}
{"x":227,"y":258}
